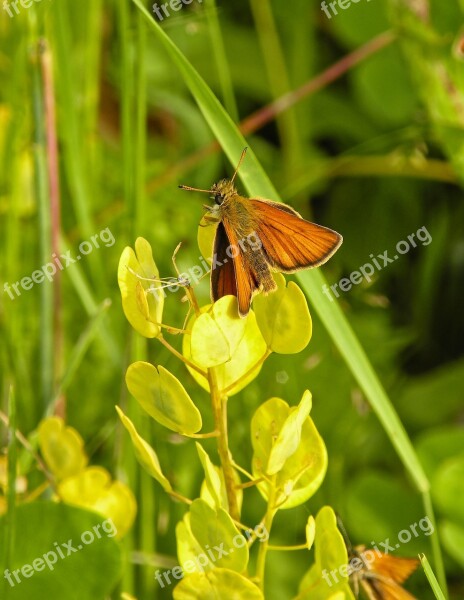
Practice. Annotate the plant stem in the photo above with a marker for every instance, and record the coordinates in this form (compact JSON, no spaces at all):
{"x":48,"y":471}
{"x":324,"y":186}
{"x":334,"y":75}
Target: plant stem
{"x":372,"y":166}
{"x":55,"y":210}
{"x":268,"y":113}
{"x":43,"y":487}
{"x":28,"y":446}
{"x":179,"y":497}
{"x":267,"y":522}
{"x":334,"y":72}
{"x":47,"y":361}
{"x":182,"y":358}
{"x":222,"y":65}
{"x":288,"y":548}
{"x":140,"y":207}
{"x":279,"y":83}
{"x":266,"y":355}
{"x":78,"y":168}
{"x":9,"y":529}
{"x":202,"y":436}
{"x":77,"y":355}
{"x":219,"y":403}
{"x":249,"y":484}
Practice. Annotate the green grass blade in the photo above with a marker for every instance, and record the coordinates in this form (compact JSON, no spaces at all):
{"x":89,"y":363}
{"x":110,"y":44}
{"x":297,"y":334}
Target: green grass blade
{"x":140,"y":150}
{"x":350,"y":348}
{"x":435,"y":542}
{"x":219,"y":52}
{"x":75,"y":160}
{"x":78,"y":353}
{"x":146,"y":536}
{"x":86,"y":295}
{"x":9,"y":532}
{"x":431,"y":577}
{"x":43,"y":200}
{"x":279,"y":82}
{"x":93,"y":48}
{"x":127,"y":106}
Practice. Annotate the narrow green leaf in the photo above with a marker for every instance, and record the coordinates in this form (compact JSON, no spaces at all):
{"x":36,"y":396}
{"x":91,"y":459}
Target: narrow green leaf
{"x":310,"y":531}
{"x":304,"y":467}
{"x":431,"y":577}
{"x":189,"y":551}
{"x":144,"y":452}
{"x":222,"y":66}
{"x":330,"y":555}
{"x":78,"y":352}
{"x":213,"y":481}
{"x":215,"y":529}
{"x":289,"y":437}
{"x":9,"y":531}
{"x":42,"y":189}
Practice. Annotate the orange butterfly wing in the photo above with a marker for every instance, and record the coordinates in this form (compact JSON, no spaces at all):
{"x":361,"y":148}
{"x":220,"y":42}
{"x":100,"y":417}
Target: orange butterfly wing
{"x":396,"y":568}
{"x":222,"y":277}
{"x":235,"y":275}
{"x":381,"y":581}
{"x":290,"y":242}
{"x":385,"y":590}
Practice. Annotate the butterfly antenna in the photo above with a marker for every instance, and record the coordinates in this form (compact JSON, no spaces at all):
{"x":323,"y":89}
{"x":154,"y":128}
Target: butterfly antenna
{"x":244,"y":151}
{"x":192,"y":189}
{"x":346,"y":539}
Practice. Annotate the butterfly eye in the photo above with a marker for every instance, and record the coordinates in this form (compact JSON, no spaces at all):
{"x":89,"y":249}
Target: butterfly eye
{"x":219,"y":198}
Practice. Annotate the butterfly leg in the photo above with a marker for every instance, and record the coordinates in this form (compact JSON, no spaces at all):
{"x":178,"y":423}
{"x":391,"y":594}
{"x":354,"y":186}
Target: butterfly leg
{"x":187,"y":318}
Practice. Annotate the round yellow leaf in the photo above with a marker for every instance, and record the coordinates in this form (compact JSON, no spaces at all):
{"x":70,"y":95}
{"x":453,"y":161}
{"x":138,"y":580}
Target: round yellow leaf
{"x":94,"y":490}
{"x":210,"y":347}
{"x":283,"y":317}
{"x":215,"y":584}
{"x":301,"y":469}
{"x":205,"y":238}
{"x":142,"y":298}
{"x":163,"y":397}
{"x":247,"y":346}
{"x":62,"y":448}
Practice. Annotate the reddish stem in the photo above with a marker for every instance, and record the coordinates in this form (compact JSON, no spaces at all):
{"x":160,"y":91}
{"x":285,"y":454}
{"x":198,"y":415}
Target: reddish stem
{"x":268,"y":113}
{"x":55,"y":201}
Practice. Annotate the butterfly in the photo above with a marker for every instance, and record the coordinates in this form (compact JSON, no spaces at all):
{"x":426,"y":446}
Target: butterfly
{"x":381,"y":575}
{"x":378,"y":574}
{"x":254,"y":237}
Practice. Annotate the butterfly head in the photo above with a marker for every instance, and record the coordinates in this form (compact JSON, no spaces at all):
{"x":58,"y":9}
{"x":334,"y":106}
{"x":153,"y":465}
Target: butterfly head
{"x":223,"y":190}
